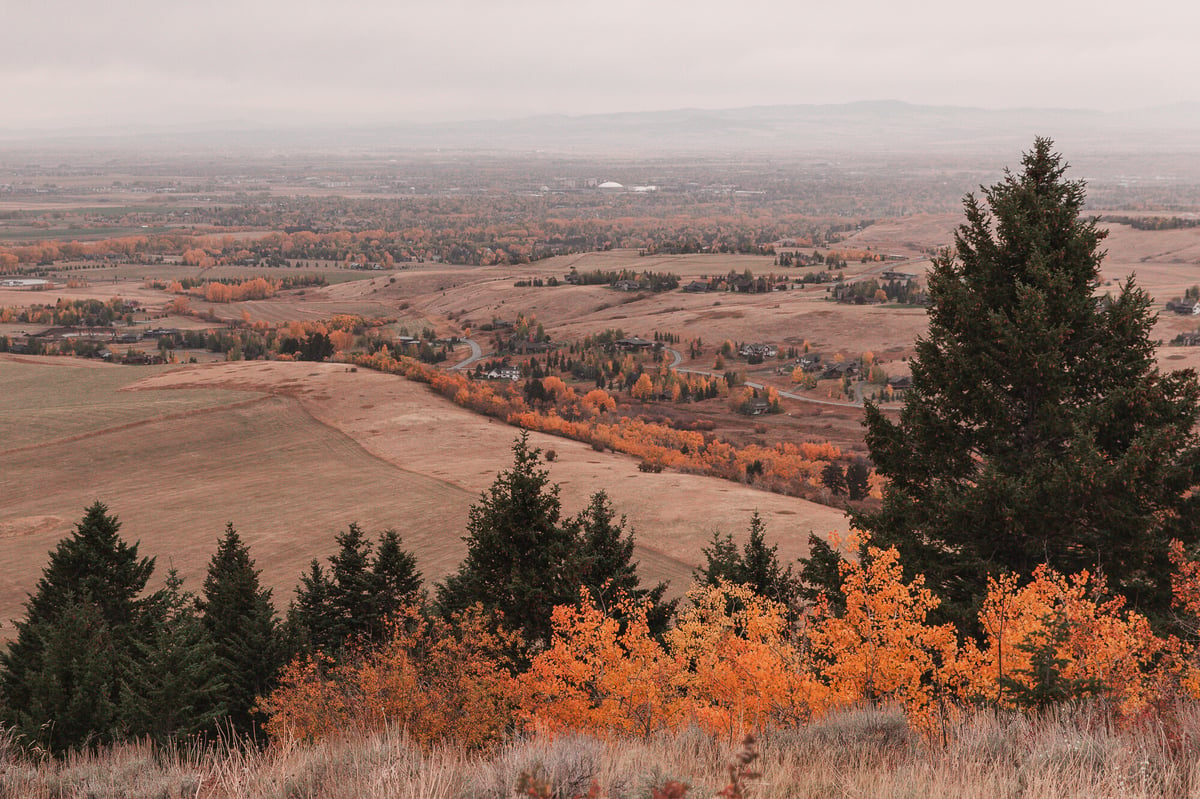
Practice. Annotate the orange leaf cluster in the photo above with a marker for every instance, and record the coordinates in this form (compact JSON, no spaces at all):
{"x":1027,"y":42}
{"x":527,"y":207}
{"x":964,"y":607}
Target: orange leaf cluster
{"x":440,"y":681}
{"x":1104,"y":645}
{"x":881,"y":648}
{"x":739,"y":667}
{"x":602,"y":674}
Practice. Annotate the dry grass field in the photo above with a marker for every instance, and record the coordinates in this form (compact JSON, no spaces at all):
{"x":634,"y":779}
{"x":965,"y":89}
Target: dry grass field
{"x":1071,"y":753}
{"x":293,"y":452}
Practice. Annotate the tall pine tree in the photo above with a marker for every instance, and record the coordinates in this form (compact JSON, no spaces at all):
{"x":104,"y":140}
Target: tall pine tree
{"x":240,"y":619}
{"x":756,"y":566}
{"x":353,"y":599}
{"x":396,"y":580}
{"x":61,"y":678}
{"x":604,"y":557}
{"x":175,"y":684}
{"x":520,"y":560}
{"x":352,"y":588}
{"x":1038,"y":427}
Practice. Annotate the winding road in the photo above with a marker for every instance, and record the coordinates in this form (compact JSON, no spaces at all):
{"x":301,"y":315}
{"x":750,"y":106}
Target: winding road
{"x":476,"y":354}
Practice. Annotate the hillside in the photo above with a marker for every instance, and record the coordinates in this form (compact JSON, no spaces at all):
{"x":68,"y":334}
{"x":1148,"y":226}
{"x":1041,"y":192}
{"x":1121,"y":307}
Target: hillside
{"x":293,"y":452}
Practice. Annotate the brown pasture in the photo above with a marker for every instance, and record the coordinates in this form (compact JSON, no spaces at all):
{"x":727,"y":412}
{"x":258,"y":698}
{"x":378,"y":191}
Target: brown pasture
{"x":293,"y":452}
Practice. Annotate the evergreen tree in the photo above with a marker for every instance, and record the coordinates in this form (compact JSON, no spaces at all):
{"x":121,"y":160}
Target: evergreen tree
{"x":352,"y":586}
{"x":311,"y":623}
{"x":175,"y":685}
{"x":60,"y":679}
{"x":1038,"y":427}
{"x":761,"y":569}
{"x":820,"y":575}
{"x":756,"y":566}
{"x":317,"y":347}
{"x":834,"y":478}
{"x":520,"y":559}
{"x":721,"y":560}
{"x":604,"y":553}
{"x":396,"y":581}
{"x":858,"y":477}
{"x":69,"y":696}
{"x":240,"y":619}
{"x":354,"y":598}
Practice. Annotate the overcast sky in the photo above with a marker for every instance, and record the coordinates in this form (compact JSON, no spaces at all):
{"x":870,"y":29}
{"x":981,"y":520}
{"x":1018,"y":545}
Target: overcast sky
{"x":67,"y":63}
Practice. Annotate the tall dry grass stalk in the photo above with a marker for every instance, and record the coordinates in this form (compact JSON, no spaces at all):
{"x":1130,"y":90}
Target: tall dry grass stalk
{"x":1069,"y":752}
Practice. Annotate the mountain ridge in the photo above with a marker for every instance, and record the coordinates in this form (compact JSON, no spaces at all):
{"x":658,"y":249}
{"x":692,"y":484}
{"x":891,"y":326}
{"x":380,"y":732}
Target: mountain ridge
{"x":871,"y":125}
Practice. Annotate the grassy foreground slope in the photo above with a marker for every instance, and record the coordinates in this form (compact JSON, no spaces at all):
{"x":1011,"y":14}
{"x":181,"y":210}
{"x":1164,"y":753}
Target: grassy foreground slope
{"x":860,"y":753}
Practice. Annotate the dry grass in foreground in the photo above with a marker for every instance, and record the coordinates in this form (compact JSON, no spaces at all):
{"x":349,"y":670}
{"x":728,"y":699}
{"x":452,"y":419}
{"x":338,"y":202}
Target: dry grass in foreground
{"x":1070,"y":752}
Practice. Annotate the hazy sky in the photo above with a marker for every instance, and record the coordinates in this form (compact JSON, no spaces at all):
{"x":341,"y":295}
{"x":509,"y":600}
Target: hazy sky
{"x":73,"y":63}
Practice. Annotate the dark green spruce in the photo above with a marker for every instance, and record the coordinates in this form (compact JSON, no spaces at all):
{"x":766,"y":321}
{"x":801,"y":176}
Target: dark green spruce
{"x":352,"y":600}
{"x":175,"y":684}
{"x":604,"y":554}
{"x":61,"y":677}
{"x":756,"y":565}
{"x":520,"y":557}
{"x":1038,"y":427}
{"x":237,"y":613}
{"x":523,"y":559}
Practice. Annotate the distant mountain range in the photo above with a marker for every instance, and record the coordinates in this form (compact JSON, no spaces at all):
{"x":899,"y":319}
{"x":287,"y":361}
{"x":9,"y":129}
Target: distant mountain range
{"x":881,"y":126}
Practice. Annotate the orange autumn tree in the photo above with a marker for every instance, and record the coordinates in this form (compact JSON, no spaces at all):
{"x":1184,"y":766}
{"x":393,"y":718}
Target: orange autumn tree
{"x":341,"y":340}
{"x":218,"y":292}
{"x":1062,"y":637}
{"x":603,"y":674}
{"x":881,"y":648}
{"x":1185,"y":586}
{"x":643,"y":389}
{"x":598,"y":401}
{"x":1185,"y":591}
{"x":739,"y":670}
{"x":309,"y":703}
{"x":441,"y":681}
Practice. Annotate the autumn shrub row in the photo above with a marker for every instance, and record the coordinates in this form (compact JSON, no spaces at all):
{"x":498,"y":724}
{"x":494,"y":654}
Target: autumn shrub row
{"x":258,"y":288}
{"x":734,"y":662}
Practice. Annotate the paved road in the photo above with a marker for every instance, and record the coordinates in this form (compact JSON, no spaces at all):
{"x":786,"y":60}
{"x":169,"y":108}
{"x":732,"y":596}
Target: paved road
{"x":476,"y":354}
{"x":677,"y":358}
